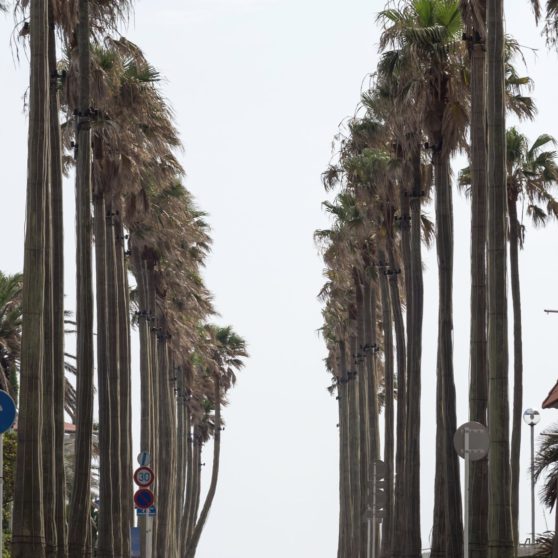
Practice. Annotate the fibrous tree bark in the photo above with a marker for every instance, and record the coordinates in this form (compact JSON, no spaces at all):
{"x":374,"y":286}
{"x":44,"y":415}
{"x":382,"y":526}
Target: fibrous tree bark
{"x":478,"y":390}
{"x":448,"y":488}
{"x":28,"y":527}
{"x":79,"y":533}
{"x":196,"y":533}
{"x":387,"y":524}
{"x":411,"y":528}
{"x":500,"y":536}
{"x":514,"y":240}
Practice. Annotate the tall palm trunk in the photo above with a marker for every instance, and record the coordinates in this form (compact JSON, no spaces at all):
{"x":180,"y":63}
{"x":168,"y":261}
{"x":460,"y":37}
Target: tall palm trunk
{"x":166,"y":467}
{"x":439,"y":525}
{"x":403,"y":366}
{"x":478,"y":390}
{"x":146,"y":379}
{"x":193,"y":544}
{"x":500,"y":535}
{"x":57,"y":255}
{"x":370,"y":335}
{"x":341,"y":535}
{"x":105,"y":534}
{"x":356,"y":488}
{"x":360,"y":366}
{"x":154,"y":391}
{"x":411,"y":533}
{"x":180,"y":478}
{"x":401,"y":377}
{"x":344,"y":483}
{"x":194,"y":472}
{"x":28,"y":528}
{"x":171,"y":386}
{"x":185,"y":519}
{"x":49,"y":463}
{"x":446,"y":415}
{"x":145,"y":349}
{"x":113,"y":374}
{"x":196,"y":482}
{"x":388,"y":423}
{"x":370,"y":413}
{"x":517,"y":365}
{"x":125,"y":424}
{"x":346,"y":446}
{"x":79,"y":528}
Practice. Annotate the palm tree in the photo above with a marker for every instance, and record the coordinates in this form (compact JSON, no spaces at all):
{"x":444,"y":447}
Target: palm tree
{"x":55,"y":383}
{"x":428,"y":32}
{"x":531,"y":171}
{"x":500,"y":534}
{"x":28,"y":530}
{"x":79,"y":529}
{"x":523,"y":107}
{"x":226,"y":358}
{"x":474,"y":16}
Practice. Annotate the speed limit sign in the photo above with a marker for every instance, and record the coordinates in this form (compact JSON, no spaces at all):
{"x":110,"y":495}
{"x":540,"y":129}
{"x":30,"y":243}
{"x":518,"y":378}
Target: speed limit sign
{"x":144,"y":477}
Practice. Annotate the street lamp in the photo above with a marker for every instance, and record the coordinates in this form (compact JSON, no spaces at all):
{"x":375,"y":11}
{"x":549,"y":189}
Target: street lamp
{"x":532,"y":417}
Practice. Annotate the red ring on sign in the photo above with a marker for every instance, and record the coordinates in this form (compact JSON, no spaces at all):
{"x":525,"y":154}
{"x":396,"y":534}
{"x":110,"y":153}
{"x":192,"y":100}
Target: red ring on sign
{"x":139,"y":476}
{"x":144,"y":498}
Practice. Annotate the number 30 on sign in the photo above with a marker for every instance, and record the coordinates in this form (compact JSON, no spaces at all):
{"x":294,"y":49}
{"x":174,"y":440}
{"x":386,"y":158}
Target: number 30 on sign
{"x":144,"y":476}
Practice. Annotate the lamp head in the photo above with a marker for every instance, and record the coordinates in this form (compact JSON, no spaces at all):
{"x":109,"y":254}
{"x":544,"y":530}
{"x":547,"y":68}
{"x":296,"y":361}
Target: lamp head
{"x":531,"y":417}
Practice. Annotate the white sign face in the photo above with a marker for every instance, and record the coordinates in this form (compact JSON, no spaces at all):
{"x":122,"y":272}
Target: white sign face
{"x":144,"y":476}
{"x":478,"y":440}
{"x":144,"y":458}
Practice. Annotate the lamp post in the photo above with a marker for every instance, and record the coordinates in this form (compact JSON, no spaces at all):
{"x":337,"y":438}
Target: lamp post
{"x":532,"y":417}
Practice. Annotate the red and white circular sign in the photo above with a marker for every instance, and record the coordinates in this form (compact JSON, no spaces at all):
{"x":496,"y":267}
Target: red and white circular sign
{"x":144,"y":476}
{"x":144,"y":498}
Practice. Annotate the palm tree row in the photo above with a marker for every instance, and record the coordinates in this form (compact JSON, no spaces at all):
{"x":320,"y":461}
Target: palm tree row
{"x":445,"y":72}
{"x":131,"y":202}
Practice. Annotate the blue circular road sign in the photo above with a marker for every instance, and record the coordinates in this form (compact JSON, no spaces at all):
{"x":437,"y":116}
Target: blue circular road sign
{"x":7,"y":411}
{"x":143,"y":498}
{"x":144,"y":458}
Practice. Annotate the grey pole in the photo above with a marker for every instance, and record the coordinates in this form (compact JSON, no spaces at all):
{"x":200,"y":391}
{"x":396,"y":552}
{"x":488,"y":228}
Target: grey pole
{"x":532,"y":484}
{"x":467,"y":470}
{"x":374,"y":513}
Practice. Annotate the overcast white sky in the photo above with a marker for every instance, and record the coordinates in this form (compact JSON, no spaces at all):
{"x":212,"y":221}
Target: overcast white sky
{"x":259,"y":88}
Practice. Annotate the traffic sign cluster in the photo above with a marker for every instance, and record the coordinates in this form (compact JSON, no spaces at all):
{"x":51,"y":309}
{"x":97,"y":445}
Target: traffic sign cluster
{"x":144,"y":477}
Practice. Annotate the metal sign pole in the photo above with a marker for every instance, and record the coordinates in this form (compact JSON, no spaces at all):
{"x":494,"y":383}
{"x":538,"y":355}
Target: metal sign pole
{"x":532,"y":484}
{"x":466,"y":522}
{"x":374,"y":513}
{"x":149,"y":537}
{"x":471,"y":442}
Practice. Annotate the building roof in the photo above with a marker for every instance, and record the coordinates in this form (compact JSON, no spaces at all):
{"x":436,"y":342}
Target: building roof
{"x":551,"y":401}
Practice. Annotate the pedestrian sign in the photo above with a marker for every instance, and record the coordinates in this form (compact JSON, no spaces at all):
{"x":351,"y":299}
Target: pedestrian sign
{"x":150,"y":512}
{"x":144,"y":458}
